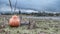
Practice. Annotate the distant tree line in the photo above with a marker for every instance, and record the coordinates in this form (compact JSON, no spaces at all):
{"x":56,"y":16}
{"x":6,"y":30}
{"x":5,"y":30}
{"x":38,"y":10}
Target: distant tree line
{"x":35,"y":14}
{"x":46,"y":14}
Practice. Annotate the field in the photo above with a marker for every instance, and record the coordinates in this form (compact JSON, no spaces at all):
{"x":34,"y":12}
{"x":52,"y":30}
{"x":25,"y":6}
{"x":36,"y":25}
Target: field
{"x":45,"y":26}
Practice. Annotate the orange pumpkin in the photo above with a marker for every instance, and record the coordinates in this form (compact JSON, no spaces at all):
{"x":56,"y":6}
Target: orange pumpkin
{"x":14,"y":21}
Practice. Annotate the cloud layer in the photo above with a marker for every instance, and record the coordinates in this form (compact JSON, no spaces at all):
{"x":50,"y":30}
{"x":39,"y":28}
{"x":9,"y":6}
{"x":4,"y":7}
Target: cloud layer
{"x":49,"y":5}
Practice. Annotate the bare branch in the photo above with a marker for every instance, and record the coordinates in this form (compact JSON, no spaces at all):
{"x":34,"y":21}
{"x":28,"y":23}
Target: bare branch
{"x":10,"y":4}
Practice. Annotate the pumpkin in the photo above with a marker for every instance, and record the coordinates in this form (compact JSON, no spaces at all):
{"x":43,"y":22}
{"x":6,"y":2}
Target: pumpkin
{"x":14,"y":21}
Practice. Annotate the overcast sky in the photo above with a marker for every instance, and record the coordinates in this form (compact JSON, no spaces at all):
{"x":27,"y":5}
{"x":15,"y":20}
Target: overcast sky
{"x":49,"y":5}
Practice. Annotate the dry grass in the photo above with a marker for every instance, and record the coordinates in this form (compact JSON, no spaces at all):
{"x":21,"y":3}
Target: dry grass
{"x":46,"y":26}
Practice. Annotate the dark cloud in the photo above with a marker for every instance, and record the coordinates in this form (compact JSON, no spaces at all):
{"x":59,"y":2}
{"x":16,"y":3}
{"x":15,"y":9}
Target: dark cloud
{"x":49,"y":5}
